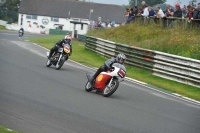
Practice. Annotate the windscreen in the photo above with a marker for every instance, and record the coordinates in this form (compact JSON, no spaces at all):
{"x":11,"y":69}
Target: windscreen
{"x":67,"y":45}
{"x":119,"y":66}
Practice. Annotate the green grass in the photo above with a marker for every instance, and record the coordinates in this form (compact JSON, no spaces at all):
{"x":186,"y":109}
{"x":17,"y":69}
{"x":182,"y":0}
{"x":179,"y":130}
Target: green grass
{"x":5,"y":130}
{"x":80,"y":54}
{"x":182,"y":42}
{"x":84,"y":56}
{"x":2,"y":27}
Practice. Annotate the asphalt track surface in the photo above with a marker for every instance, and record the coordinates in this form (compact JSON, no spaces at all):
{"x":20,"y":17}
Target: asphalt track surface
{"x":37,"y":99}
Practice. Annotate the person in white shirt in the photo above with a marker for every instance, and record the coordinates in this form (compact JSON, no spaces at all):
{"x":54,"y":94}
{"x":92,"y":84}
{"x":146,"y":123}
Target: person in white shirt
{"x":146,"y":12}
{"x":160,"y":13}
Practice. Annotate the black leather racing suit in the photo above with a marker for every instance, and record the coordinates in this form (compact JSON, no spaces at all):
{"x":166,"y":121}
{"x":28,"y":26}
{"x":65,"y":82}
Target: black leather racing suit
{"x":107,"y":65}
{"x":57,"y":45}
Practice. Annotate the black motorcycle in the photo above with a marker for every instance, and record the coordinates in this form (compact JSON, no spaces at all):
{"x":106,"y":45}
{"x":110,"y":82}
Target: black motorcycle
{"x":59,"y":57}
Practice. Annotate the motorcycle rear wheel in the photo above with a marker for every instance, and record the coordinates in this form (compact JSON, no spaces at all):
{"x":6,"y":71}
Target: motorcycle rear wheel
{"x":48,"y":63}
{"x":88,"y":87}
{"x":108,"y":91}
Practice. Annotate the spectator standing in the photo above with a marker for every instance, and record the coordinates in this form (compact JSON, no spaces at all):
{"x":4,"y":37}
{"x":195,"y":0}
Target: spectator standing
{"x":151,"y":11}
{"x":169,"y":13}
{"x":135,"y":11}
{"x":126,"y":14}
{"x":178,"y":12}
{"x":188,"y":10}
{"x":190,"y":13}
{"x":184,"y":13}
{"x":196,"y":14}
{"x":160,"y":13}
{"x":107,"y":23}
{"x":130,"y":15}
{"x":93,"y":24}
{"x":140,"y":11}
{"x":144,"y":4}
{"x":145,"y":11}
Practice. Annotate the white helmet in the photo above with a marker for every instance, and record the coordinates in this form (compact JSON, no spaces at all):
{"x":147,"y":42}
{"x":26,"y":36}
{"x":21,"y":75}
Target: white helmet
{"x":68,"y":38}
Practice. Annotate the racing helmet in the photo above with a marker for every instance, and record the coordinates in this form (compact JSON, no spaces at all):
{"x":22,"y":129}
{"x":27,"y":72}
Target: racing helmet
{"x":68,"y":38}
{"x":121,"y":58}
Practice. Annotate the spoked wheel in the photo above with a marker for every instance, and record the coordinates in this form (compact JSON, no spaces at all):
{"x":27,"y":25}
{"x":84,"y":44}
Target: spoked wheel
{"x":88,"y":87}
{"x":60,"y":64}
{"x":108,"y":91}
{"x":48,"y":64}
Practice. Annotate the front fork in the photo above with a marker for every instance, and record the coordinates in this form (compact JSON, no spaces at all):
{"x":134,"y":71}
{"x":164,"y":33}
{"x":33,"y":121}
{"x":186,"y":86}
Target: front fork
{"x":59,"y":58}
{"x":110,"y":82}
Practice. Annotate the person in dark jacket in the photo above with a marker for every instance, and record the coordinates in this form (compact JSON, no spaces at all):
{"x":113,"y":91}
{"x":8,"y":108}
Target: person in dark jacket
{"x":169,"y":13}
{"x":60,"y":44}
{"x":108,"y":64}
{"x":130,"y":15}
{"x":178,"y":12}
{"x":151,"y":11}
{"x":135,"y":11}
{"x":196,"y":15}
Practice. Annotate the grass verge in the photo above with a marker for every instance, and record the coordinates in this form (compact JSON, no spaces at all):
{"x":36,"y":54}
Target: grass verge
{"x":182,"y":42}
{"x":84,"y":56}
{"x":5,"y":130}
{"x":2,"y":27}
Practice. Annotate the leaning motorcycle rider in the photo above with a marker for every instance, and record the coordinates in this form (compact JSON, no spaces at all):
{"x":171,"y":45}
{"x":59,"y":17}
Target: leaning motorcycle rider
{"x":120,"y":58}
{"x":67,"y":39}
{"x":21,"y":32}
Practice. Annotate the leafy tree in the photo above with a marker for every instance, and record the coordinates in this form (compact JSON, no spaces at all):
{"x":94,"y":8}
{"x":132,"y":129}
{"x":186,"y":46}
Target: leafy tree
{"x":178,"y":1}
{"x":149,"y":2}
{"x":192,"y":3}
{"x":9,"y":10}
{"x":11,"y":5}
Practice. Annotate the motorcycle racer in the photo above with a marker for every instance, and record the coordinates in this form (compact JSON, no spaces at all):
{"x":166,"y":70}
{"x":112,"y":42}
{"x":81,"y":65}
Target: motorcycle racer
{"x":120,"y":58}
{"x":67,"y":39}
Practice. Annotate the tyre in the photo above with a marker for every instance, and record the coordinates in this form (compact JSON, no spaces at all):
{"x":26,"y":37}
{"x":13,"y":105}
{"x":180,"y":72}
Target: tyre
{"x":108,"y":91}
{"x":60,"y":64}
{"x":48,"y":64}
{"x":88,"y":87}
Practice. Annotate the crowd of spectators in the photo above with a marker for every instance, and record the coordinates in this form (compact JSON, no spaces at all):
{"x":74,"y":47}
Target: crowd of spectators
{"x":187,"y":12}
{"x":99,"y":24}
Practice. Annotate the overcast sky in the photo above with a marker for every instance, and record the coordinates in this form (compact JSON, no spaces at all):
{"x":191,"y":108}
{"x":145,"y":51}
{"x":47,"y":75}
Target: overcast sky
{"x":125,"y":2}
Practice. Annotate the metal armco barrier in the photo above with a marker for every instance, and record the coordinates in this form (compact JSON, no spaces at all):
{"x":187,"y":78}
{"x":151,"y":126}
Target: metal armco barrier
{"x":176,"y":68}
{"x":58,"y":32}
{"x":81,"y":38}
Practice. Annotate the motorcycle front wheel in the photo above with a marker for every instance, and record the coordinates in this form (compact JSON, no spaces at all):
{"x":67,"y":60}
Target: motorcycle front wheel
{"x":60,"y":63}
{"x":108,"y":91}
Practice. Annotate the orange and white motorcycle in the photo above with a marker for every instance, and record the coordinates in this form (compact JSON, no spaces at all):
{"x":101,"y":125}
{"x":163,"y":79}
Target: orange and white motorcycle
{"x":107,"y":82}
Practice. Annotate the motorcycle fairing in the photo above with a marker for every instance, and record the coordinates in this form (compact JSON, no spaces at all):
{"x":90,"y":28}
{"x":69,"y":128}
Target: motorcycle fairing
{"x":101,"y":80}
{"x":67,"y":48}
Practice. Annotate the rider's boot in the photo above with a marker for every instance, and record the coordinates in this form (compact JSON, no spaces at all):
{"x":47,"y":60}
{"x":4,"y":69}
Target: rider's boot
{"x":50,"y":54}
